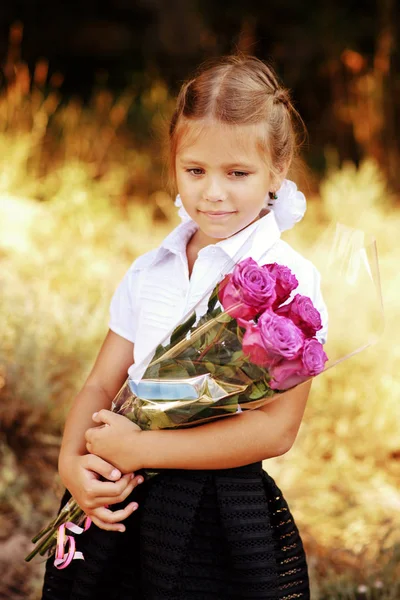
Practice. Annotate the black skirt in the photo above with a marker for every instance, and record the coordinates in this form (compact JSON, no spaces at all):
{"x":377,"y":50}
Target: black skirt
{"x":199,"y":535}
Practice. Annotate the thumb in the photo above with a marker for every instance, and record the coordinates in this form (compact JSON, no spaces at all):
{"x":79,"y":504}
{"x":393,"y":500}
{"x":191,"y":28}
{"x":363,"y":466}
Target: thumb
{"x":104,"y":416}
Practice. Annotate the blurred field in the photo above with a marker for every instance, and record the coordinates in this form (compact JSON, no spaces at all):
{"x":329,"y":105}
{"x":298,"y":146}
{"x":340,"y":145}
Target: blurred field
{"x":71,"y":221}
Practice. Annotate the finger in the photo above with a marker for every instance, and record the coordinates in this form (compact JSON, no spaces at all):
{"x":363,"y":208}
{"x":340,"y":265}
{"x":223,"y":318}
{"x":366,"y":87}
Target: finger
{"x":88,"y":435}
{"x":102,"y":467}
{"x":111,"y":520}
{"x":102,"y":500}
{"x":108,"y":417}
{"x":113,"y":492}
{"x":104,"y":416}
{"x":107,"y":526}
{"x":92,"y":432}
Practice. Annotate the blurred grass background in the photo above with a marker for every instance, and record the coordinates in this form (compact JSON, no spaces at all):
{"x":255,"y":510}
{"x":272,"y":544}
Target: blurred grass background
{"x":80,"y":198}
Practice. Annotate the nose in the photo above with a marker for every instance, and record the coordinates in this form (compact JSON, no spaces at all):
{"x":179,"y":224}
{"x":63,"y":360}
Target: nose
{"x":214,"y":191}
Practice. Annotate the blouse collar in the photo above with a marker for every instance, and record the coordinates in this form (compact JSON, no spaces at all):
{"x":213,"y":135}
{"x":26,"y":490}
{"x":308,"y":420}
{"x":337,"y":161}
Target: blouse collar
{"x":253,"y":240}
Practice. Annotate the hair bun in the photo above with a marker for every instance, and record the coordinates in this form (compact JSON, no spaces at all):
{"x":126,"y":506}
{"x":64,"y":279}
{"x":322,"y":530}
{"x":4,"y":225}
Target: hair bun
{"x":281,"y":96}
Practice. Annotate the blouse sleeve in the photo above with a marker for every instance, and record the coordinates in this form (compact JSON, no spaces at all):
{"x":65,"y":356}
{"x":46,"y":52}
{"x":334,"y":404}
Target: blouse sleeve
{"x":123,"y":315}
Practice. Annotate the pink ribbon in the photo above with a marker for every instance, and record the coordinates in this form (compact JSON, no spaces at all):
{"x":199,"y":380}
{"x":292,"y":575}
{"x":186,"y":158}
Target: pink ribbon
{"x":62,"y":558}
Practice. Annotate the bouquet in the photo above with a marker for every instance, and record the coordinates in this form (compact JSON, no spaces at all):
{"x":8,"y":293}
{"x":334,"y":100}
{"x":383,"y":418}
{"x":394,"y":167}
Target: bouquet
{"x":250,"y":345}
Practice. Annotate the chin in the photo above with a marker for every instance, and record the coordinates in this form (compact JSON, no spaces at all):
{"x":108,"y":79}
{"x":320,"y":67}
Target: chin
{"x":220,"y":233}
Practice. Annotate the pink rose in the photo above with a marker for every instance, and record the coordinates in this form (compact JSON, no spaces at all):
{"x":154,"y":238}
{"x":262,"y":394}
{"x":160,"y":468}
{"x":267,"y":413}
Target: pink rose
{"x":285,"y":282}
{"x":303,"y":313}
{"x":280,"y":336}
{"x":248,"y":291}
{"x":314,"y":357}
{"x":253,"y":346}
{"x":289,"y":373}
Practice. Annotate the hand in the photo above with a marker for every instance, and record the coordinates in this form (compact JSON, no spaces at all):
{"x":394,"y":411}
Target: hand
{"x":117,"y":441}
{"x":81,"y":476}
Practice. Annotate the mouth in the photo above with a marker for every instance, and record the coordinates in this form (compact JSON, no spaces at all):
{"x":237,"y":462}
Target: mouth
{"x":217,"y":214}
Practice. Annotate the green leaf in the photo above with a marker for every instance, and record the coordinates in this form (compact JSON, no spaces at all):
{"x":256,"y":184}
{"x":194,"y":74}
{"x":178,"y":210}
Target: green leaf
{"x":259,"y":390}
{"x":210,"y":367}
{"x":213,"y":300}
{"x":172,"y":369}
{"x":188,"y":366}
{"x":224,"y":317}
{"x":160,"y":350}
{"x":237,"y":357}
{"x":180,"y":331}
{"x":255,"y":372}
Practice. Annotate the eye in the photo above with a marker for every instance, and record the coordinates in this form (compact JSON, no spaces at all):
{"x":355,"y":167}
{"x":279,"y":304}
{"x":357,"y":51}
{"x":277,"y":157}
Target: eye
{"x":237,"y":174}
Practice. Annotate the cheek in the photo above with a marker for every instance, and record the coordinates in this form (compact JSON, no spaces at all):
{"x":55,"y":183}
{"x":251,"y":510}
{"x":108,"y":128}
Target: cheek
{"x":185,"y":187}
{"x":252,"y":192}
{"x":252,"y":203}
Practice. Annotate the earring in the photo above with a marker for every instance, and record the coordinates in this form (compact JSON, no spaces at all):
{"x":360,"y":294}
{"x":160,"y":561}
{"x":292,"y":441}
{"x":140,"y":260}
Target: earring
{"x":273,"y":195}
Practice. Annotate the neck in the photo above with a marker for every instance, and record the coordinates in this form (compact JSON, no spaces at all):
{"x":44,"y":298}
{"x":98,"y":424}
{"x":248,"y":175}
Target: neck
{"x":200,"y":240}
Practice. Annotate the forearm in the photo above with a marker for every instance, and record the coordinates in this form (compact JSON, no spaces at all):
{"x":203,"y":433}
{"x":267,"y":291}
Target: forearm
{"x":89,"y":400}
{"x":233,"y":441}
{"x":229,"y":442}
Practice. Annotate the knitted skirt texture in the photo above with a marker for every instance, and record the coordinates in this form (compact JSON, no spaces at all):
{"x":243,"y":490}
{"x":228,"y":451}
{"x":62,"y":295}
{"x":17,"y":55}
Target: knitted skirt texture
{"x":200,"y":535}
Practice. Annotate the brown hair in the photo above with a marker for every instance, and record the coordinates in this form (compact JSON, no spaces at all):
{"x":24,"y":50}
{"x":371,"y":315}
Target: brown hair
{"x":237,"y":89}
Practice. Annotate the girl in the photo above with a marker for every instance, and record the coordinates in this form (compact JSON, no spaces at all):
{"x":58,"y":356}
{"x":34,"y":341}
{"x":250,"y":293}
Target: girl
{"x":212,"y":524}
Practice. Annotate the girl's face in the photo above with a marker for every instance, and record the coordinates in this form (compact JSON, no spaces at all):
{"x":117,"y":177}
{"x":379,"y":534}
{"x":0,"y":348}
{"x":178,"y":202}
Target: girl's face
{"x":222,"y":180}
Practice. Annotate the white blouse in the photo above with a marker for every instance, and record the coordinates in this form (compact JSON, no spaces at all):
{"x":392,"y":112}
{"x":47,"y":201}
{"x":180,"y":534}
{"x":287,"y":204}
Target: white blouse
{"x":156,"y":292}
